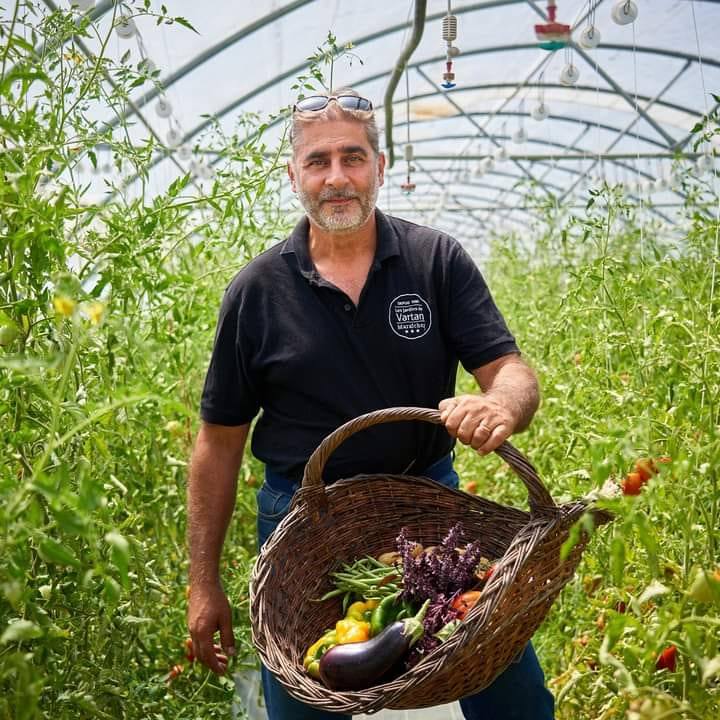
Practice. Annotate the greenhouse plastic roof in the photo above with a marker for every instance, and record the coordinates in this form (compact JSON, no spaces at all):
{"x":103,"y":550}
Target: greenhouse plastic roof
{"x":638,"y":95}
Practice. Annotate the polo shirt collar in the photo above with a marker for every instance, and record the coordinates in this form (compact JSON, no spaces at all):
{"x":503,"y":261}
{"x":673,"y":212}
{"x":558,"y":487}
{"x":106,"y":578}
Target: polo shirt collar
{"x":297,"y":244}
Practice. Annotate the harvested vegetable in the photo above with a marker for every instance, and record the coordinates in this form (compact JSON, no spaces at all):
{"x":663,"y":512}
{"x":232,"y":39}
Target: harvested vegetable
{"x":350,"y":630}
{"x":385,"y":613}
{"x":315,"y":652}
{"x":367,"y":578}
{"x":361,"y":665}
{"x":444,"y":571}
{"x":362,"y":610}
{"x":465,"y":602}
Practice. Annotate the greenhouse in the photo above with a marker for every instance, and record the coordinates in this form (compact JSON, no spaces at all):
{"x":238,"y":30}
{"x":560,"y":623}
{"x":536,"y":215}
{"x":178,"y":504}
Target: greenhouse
{"x":360,"y":358}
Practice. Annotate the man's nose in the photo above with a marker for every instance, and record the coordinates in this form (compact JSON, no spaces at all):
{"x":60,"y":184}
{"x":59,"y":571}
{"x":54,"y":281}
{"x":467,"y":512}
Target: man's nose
{"x":336,"y":176}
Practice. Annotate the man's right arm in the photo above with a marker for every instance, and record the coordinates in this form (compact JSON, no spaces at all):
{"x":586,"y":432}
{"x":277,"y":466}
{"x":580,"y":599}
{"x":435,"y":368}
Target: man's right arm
{"x":212,"y":486}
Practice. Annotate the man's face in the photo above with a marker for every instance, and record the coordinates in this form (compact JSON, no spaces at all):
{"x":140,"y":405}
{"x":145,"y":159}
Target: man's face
{"x":336,"y":174}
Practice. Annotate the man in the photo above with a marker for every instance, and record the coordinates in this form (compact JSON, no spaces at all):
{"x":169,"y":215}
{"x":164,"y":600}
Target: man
{"x":356,"y":311}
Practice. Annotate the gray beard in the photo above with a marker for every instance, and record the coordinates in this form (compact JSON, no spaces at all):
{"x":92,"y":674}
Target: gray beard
{"x":340,"y":223}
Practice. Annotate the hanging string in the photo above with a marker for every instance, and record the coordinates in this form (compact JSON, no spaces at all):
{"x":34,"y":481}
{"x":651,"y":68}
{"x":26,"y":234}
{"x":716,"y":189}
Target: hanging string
{"x":716,"y":249}
{"x":637,"y":147}
{"x":700,"y":62}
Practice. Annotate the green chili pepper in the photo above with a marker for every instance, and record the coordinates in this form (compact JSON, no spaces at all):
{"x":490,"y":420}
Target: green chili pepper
{"x":385,"y":613}
{"x":407,"y":610}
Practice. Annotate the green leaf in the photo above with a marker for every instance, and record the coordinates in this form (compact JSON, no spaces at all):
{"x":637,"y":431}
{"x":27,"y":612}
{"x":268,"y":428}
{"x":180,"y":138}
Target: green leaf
{"x":135,"y":620}
{"x":571,"y":542}
{"x":20,"y":631}
{"x":182,"y":21}
{"x":119,"y":554}
{"x":111,"y":590}
{"x":51,"y":551}
{"x":70,"y":522}
{"x":614,"y":630}
{"x":617,"y":560}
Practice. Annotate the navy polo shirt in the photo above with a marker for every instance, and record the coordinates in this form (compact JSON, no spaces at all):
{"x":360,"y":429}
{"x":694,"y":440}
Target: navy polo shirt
{"x":295,"y":348}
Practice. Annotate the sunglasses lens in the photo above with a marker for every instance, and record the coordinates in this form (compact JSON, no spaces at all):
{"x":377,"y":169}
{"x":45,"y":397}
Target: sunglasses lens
{"x":351,"y":102}
{"x":314,"y":102}
{"x":318,"y":102}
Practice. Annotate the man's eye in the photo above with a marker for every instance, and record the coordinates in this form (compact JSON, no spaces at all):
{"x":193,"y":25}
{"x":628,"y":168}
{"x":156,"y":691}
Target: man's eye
{"x":354,"y":158}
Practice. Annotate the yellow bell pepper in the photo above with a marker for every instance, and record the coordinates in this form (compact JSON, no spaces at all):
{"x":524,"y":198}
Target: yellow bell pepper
{"x":354,"y":627}
{"x":350,"y":630}
{"x":318,"y":648}
{"x":361,"y":610}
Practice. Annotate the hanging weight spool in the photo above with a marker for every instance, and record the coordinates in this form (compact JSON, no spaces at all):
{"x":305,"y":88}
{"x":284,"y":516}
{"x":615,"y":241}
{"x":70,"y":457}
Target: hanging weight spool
{"x":624,"y":12}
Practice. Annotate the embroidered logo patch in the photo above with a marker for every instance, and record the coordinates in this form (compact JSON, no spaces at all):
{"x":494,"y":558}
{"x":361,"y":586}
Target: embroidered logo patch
{"x":410,"y":316}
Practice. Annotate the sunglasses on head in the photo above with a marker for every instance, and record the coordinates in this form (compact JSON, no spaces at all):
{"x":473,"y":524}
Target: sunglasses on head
{"x":318,"y":102}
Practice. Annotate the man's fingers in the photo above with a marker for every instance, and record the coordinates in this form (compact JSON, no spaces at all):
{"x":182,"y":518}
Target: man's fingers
{"x":227,"y":639}
{"x":494,"y":439}
{"x":480,"y":435}
{"x":447,"y":404}
{"x":470,"y":428}
{"x":208,"y":653}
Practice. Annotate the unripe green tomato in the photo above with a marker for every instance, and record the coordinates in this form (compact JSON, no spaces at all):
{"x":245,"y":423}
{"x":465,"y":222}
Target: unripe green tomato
{"x":705,"y":587}
{"x":174,"y":427}
{"x":8,"y":333}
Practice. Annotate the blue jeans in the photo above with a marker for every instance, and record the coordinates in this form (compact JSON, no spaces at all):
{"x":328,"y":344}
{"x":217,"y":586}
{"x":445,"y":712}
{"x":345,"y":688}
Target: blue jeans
{"x":519,"y":693}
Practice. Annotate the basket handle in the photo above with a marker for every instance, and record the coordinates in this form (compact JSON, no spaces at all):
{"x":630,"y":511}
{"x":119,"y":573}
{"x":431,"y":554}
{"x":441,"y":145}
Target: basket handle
{"x":540,"y":500}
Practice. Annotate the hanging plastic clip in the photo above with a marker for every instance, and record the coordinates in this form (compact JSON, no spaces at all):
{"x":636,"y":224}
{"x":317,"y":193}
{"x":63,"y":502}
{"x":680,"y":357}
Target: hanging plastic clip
{"x":408,"y":186}
{"x":448,"y":76}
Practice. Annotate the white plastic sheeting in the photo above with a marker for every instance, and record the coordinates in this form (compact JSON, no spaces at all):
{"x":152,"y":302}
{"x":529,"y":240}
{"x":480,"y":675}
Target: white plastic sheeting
{"x":245,"y":56}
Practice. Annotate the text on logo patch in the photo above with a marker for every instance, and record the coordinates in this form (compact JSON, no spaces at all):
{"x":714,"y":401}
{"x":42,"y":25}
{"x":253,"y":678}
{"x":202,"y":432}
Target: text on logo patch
{"x":410,"y":316}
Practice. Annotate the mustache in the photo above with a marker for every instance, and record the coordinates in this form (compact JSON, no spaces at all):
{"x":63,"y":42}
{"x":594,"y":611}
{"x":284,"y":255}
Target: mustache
{"x":326,"y":195}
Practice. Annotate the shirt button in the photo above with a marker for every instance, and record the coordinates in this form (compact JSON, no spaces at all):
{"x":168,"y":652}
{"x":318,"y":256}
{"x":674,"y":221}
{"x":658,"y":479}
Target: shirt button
{"x":348,"y":307}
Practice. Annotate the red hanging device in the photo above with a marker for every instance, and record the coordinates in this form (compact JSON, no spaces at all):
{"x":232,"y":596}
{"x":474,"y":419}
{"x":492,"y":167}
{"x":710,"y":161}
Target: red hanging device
{"x":552,"y":35}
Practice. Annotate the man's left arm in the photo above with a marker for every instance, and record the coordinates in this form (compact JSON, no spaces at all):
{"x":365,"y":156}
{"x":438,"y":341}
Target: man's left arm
{"x":510,"y":397}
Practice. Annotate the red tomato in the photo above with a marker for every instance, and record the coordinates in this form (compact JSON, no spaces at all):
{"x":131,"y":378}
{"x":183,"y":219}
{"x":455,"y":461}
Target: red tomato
{"x":667,"y":659}
{"x":632,"y":484}
{"x":174,"y":672}
{"x":645,"y":467}
{"x":463,"y":603}
{"x":471,"y":487}
{"x":189,"y":652}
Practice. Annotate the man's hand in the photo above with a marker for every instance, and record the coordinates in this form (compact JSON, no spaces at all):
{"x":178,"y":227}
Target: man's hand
{"x":208,"y":612}
{"x":510,"y":398}
{"x":481,"y":421}
{"x":211,"y":496}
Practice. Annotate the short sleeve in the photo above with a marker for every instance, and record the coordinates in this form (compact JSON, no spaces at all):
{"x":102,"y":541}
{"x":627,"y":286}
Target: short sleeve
{"x":228,"y":396}
{"x":475,"y":326}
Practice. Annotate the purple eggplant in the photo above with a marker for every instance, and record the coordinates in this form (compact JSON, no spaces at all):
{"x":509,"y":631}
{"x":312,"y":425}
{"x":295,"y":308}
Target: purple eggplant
{"x":356,"y":666}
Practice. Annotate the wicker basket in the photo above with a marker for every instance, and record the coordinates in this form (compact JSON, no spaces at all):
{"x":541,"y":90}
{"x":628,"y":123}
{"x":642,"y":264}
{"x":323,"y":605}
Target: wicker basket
{"x":329,"y":526}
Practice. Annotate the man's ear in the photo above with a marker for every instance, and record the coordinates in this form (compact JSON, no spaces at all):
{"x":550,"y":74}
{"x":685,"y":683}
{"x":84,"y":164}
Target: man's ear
{"x":381,"y":168}
{"x":291,"y":175}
